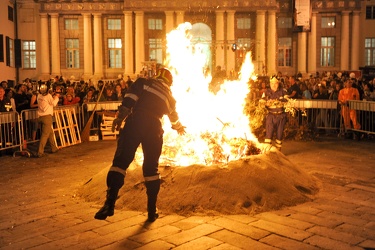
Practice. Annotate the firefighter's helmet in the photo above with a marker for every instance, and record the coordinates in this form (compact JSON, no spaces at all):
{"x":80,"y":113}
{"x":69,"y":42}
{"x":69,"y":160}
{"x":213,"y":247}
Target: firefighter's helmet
{"x":165,"y":75}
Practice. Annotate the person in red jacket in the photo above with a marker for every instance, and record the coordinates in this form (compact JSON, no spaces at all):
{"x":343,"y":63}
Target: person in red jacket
{"x":70,"y":100}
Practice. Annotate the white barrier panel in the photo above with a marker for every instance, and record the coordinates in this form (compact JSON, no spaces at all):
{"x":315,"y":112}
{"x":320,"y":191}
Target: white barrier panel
{"x":10,"y":131}
{"x":103,"y":105}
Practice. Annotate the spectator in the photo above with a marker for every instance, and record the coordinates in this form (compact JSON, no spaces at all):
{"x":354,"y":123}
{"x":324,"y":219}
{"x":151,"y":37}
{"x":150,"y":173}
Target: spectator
{"x":5,"y":103}
{"x":293,"y":91}
{"x":119,"y":92}
{"x":21,"y":98}
{"x":306,"y":94}
{"x":349,"y":115}
{"x":70,"y":100}
{"x":108,"y":95}
{"x":46,"y":103}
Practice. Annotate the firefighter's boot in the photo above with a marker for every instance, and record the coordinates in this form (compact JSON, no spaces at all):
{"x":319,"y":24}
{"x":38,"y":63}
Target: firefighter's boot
{"x":109,"y":206}
{"x":153,"y":188}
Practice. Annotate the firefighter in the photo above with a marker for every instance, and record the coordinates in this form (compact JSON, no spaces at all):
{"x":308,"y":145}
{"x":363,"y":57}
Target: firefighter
{"x":142,"y":108}
{"x":276,"y":117}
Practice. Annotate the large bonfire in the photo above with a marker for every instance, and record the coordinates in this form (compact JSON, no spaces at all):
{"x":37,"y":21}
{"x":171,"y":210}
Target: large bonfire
{"x":209,"y":170}
{"x":218,"y":131}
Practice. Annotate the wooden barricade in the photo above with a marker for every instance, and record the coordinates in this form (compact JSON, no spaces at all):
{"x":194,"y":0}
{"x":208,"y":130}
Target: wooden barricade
{"x":106,"y":125}
{"x":66,"y":127}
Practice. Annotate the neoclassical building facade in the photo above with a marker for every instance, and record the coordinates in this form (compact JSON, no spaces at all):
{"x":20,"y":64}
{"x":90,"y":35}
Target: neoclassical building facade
{"x":100,"y":39}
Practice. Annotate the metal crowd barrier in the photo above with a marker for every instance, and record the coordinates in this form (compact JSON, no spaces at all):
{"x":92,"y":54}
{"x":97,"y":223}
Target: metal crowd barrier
{"x":10,"y":132}
{"x":316,"y":115}
{"x":365,"y":115}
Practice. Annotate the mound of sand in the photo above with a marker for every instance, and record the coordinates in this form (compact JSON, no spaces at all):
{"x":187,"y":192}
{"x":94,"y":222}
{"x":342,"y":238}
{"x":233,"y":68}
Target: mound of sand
{"x":257,"y":184}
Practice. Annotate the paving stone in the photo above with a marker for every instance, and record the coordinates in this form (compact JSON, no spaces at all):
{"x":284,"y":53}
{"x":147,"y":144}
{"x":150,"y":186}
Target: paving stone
{"x":286,"y":231}
{"x":240,"y":241}
{"x":201,"y":243}
{"x":316,"y":220}
{"x":225,"y":246}
{"x":357,"y":230}
{"x":304,"y":208}
{"x":286,"y":221}
{"x":155,"y":234}
{"x":241,"y":228}
{"x":368,"y":244}
{"x":286,"y":243}
{"x":343,"y":218}
{"x":159,"y":244}
{"x":336,"y":235}
{"x":327,"y":243}
{"x":191,"y":234}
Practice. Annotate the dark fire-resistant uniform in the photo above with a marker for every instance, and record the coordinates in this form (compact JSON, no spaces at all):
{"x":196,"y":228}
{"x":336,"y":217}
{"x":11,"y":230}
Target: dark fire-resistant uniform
{"x":276,"y":117}
{"x":146,"y":102}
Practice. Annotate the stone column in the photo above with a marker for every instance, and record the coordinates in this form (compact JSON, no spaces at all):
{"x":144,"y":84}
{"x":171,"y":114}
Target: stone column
{"x":302,"y":49}
{"x":128,"y":43}
{"x":139,"y":41}
{"x":344,"y":55}
{"x":231,"y":56}
{"x":260,"y":36}
{"x":312,"y":46}
{"x":355,"y":41}
{"x":219,"y":52}
{"x":271,"y":48}
{"x":169,"y":21}
{"x":98,"y":46}
{"x":87,"y":49}
{"x":55,"y":45}
{"x":44,"y":48}
{"x":179,"y":17}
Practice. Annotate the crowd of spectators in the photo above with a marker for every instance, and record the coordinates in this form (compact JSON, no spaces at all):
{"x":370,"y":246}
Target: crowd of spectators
{"x":23,"y":95}
{"x":326,"y":85}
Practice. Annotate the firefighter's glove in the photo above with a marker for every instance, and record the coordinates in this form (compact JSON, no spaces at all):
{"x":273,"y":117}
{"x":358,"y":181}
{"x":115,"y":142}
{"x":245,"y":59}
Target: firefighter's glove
{"x":122,"y":113}
{"x":179,"y":128}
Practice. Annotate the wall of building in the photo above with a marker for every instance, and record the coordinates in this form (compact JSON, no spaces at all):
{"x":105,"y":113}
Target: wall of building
{"x":30,"y":25}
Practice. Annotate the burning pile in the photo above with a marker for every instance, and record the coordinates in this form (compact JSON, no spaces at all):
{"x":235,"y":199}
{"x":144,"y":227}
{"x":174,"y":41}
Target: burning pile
{"x":218,"y":131}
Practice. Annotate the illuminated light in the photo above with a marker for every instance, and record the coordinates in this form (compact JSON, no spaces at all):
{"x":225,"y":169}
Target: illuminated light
{"x":217,"y":129}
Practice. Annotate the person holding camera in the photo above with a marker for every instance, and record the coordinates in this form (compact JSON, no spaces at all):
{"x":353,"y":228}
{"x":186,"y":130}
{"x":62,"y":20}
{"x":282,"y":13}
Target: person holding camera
{"x":46,"y":103}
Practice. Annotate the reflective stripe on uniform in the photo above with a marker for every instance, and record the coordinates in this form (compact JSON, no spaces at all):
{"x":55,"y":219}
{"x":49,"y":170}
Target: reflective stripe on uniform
{"x":159,"y":94}
{"x":132,"y":96}
{"x":267,"y":141}
{"x":152,"y":178}
{"x":278,"y":142}
{"x":118,"y":170}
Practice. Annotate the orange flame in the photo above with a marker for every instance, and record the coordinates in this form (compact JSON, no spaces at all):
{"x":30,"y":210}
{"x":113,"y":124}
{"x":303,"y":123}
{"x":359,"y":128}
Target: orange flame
{"x":217,"y":128}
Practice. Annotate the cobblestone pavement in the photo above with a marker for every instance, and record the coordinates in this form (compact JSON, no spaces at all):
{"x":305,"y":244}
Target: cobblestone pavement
{"x":39,"y":208}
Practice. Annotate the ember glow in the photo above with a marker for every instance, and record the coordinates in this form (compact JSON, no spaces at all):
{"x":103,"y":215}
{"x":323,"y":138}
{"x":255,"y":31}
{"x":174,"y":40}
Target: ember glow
{"x":217,"y":130}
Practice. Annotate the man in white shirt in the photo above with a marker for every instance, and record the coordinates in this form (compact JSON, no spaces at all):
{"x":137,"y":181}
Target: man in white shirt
{"x":46,"y":102}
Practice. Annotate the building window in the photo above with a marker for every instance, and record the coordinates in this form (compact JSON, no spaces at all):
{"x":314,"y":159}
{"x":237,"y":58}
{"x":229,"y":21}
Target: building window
{"x":114,"y":24}
{"x":370,"y":51}
{"x":29,"y":54}
{"x":284,"y":22}
{"x":115,"y":53}
{"x":156,"y":52}
{"x":370,"y":12}
{"x":71,"y":24}
{"x":72,"y":53}
{"x":284,"y":54}
{"x":10,"y":13}
{"x":155,"y":24}
{"x":327,"y":52}
{"x":328,"y":22}
{"x":10,"y":52}
{"x":243,"y":23}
